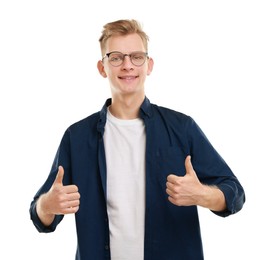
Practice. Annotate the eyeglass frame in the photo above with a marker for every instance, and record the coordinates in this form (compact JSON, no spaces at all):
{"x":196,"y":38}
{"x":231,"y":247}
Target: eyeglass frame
{"x":124,"y":55}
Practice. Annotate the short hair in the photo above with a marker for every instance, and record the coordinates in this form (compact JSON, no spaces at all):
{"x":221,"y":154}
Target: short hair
{"x":120,"y":28}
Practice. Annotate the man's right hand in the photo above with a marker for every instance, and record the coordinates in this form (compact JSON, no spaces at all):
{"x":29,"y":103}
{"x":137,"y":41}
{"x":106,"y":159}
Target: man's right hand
{"x":58,"y":200}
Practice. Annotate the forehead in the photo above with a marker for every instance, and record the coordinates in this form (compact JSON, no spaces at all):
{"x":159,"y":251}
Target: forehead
{"x":125,"y":43}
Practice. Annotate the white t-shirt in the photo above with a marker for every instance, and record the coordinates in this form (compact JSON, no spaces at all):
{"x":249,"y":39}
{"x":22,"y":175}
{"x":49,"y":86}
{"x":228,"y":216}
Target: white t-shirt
{"x":124,"y":142}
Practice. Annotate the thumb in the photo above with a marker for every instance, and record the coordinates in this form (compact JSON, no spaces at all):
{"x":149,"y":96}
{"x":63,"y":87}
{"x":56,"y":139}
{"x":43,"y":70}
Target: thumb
{"x":59,"y":176}
{"x":188,"y":165}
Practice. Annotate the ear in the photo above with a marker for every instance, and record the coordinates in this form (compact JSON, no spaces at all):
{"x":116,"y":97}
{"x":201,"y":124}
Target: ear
{"x":101,"y":70}
{"x":150,"y":66}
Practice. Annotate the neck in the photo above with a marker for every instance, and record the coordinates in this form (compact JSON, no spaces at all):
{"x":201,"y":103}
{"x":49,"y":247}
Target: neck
{"x":126,"y":107}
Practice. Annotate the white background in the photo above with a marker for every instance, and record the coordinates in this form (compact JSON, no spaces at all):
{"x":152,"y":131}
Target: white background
{"x":214,"y":60}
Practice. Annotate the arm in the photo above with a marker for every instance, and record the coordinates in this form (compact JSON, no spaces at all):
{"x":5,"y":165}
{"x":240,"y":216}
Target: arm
{"x":212,"y":170}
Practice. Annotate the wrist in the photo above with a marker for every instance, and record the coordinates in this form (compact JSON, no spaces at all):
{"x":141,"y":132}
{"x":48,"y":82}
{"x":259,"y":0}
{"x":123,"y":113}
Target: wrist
{"x":212,"y":198}
{"x":44,"y":215}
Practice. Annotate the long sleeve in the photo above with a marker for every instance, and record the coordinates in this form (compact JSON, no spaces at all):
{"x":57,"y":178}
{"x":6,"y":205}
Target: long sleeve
{"x":213,"y":170}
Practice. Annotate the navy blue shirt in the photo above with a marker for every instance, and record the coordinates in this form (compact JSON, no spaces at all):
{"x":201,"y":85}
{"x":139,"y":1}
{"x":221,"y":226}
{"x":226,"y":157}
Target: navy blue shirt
{"x":171,"y":232}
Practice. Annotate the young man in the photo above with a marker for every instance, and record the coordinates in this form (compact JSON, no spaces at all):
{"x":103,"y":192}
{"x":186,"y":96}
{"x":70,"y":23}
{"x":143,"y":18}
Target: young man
{"x":141,"y":169}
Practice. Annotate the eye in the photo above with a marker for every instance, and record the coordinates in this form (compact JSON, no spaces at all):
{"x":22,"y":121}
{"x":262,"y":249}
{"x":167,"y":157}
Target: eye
{"x":115,"y":57}
{"x":138,"y":56}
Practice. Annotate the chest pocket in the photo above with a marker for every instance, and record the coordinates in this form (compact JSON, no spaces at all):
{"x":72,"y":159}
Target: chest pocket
{"x":170,"y":160}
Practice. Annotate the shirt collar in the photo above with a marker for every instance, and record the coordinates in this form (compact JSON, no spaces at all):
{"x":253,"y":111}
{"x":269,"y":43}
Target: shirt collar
{"x":146,"y":108}
{"x":145,"y":111}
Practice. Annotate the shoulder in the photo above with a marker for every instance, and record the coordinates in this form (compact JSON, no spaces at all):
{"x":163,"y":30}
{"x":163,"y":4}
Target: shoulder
{"x":86,"y":124}
{"x":89,"y":120}
{"x":172,"y":115}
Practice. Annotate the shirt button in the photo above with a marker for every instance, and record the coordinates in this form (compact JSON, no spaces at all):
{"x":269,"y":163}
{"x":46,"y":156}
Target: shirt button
{"x":106,"y":247}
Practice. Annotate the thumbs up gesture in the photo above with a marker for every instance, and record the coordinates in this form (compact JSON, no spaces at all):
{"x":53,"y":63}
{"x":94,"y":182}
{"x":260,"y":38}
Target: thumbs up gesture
{"x":184,"y":190}
{"x":58,"y":200}
{"x":188,"y":190}
{"x":63,"y":199}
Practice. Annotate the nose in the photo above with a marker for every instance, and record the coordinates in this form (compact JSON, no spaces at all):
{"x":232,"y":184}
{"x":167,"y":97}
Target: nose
{"x":127,"y":64}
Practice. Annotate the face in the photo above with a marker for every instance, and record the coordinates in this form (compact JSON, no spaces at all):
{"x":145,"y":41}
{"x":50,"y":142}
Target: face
{"x":126,"y":78}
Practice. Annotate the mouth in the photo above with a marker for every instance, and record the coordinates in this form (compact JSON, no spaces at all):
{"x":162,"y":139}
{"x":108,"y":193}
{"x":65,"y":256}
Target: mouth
{"x":128,"y":77}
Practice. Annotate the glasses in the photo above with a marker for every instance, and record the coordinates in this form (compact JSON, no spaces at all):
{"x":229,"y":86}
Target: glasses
{"x":116,"y":58}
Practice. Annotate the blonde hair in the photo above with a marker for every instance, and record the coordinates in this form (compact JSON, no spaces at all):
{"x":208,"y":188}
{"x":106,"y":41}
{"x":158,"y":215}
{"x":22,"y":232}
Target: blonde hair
{"x":119,"y":28}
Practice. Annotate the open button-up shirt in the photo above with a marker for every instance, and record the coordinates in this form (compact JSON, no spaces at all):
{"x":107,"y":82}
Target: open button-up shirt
{"x":171,"y":232}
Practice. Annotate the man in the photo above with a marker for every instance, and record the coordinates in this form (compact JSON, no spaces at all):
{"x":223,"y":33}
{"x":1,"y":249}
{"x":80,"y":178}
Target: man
{"x":141,"y":170}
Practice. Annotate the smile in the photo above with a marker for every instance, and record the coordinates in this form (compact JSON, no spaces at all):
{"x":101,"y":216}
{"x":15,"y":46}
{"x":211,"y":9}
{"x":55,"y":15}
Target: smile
{"x":128,"y":77}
